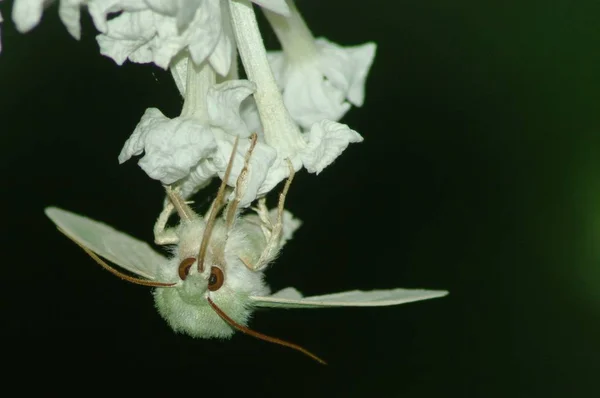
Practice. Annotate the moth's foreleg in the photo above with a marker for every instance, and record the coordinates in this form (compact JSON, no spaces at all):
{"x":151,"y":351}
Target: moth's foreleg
{"x":265,"y":218}
{"x":162,"y":234}
{"x":184,"y":211}
{"x":240,"y":184}
{"x":173,"y":201}
{"x":272,"y":231}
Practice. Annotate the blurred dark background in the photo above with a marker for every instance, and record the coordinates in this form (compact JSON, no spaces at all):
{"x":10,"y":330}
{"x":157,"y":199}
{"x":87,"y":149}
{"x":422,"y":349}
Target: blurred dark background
{"x":478,"y":174}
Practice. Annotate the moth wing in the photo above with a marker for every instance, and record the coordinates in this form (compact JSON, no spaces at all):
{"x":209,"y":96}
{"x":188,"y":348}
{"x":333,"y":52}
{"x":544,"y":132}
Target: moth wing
{"x":115,"y":246}
{"x":292,"y":298}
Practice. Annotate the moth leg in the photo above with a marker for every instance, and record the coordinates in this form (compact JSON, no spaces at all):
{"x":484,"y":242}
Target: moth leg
{"x":162,"y":234}
{"x":265,"y":219}
{"x":184,"y":211}
{"x":272,"y":230}
{"x":240,"y":184}
{"x":173,"y":201}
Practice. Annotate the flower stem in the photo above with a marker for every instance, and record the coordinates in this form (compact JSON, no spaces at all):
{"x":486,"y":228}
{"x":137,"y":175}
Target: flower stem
{"x":280,"y":130}
{"x":295,"y":37}
{"x":233,"y":73}
{"x":199,"y":79}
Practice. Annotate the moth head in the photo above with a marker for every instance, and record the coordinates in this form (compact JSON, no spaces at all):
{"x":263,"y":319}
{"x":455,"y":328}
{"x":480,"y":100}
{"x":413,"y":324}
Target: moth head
{"x":223,"y":279}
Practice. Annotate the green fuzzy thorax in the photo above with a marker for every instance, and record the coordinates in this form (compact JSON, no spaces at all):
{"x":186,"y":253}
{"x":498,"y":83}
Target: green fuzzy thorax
{"x":197,"y":318}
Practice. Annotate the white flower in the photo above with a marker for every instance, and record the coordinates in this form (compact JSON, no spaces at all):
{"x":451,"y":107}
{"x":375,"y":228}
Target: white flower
{"x":318,"y":78}
{"x":158,"y":33}
{"x":189,"y":150}
{"x":197,"y":39}
{"x":314,"y":149}
{"x":323,"y":87}
{"x":149,"y":30}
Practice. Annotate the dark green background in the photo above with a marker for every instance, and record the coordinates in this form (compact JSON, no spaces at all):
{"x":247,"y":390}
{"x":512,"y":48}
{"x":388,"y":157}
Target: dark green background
{"x":479,"y":174}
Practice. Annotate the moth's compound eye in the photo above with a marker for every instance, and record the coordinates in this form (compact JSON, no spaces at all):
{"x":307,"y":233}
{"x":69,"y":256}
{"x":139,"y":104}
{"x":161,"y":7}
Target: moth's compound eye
{"x":184,"y":267}
{"x":216,"y":279}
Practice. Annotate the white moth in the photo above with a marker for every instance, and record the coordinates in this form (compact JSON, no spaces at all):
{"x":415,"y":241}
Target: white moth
{"x":214,"y":279}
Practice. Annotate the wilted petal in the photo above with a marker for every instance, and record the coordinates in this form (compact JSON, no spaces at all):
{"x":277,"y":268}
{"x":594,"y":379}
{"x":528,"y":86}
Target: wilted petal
{"x":326,"y":141}
{"x":172,"y":147}
{"x":223,"y":104}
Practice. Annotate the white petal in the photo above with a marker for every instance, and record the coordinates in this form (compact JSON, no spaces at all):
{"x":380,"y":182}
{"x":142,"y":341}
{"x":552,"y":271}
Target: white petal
{"x":326,"y":141}
{"x":172,"y":146}
{"x":279,"y":171}
{"x":135,"y":144}
{"x":69,"y":13}
{"x":310,"y":98}
{"x":186,"y":10}
{"x":316,"y":89}
{"x":127,"y":34}
{"x":99,"y":10}
{"x":222,"y":55}
{"x":346,"y":67}
{"x":223,"y":104}
{"x":165,"y":7}
{"x":199,"y":177}
{"x":277,"y":6}
{"x":149,"y":36}
{"x":202,"y":34}
{"x":249,"y":113}
{"x":290,"y":224}
{"x":26,"y":14}
{"x":218,"y":60}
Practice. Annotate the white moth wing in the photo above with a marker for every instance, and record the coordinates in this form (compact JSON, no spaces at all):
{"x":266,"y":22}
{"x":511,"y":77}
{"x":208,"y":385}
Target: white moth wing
{"x":115,"y":246}
{"x":291,"y":298}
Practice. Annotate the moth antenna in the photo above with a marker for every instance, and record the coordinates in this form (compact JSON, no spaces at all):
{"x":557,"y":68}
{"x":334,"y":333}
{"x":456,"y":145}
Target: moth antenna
{"x":114,"y":271}
{"x":233,"y":205}
{"x":215,"y":208}
{"x":261,"y":336}
{"x":183,"y":210}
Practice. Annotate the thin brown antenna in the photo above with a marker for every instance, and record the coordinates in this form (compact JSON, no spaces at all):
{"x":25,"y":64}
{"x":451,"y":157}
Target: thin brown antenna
{"x":261,"y":336}
{"x":215,"y":208}
{"x":114,"y":271}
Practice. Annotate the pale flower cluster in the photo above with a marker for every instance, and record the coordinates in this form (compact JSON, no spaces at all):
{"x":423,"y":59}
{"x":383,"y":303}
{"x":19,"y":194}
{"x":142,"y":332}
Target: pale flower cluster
{"x":293,"y":98}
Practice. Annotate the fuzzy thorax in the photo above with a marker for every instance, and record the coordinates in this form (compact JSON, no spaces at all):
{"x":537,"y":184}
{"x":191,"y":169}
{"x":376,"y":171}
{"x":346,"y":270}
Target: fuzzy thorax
{"x":185,"y":307}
